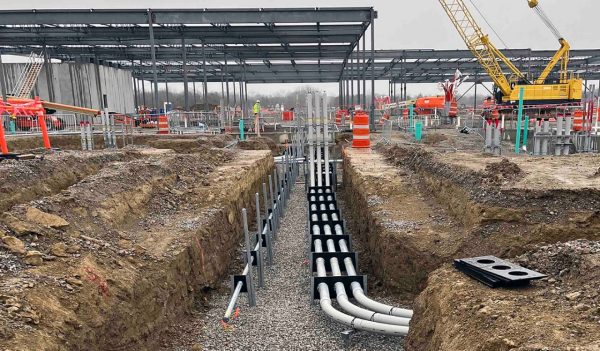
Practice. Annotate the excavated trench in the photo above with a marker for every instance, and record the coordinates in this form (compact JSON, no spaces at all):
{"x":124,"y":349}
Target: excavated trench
{"x":108,"y":258}
{"x":415,"y":210}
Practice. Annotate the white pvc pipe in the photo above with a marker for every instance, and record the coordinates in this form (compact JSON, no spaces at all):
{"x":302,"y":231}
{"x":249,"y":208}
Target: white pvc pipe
{"x":360,"y":296}
{"x":326,"y":139}
{"x":311,"y":147}
{"x":353,"y":322}
{"x":356,"y":323}
{"x":318,"y":138}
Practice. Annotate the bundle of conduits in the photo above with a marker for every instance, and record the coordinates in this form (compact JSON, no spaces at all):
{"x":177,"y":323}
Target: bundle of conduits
{"x":331,"y":254}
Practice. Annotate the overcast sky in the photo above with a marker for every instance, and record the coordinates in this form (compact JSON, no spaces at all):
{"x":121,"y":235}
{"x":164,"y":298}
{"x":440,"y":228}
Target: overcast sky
{"x":409,"y":24}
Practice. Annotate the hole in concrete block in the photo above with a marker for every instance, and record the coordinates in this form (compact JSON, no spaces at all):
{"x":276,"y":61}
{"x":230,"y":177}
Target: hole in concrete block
{"x":485,"y":261}
{"x":518,"y":273}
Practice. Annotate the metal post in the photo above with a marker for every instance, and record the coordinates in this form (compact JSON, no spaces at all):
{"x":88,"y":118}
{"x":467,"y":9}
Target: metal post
{"x":519,"y":122}
{"x":364,"y":71}
{"x":98,"y":82}
{"x":318,"y":138}
{"x":186,"y":102}
{"x":326,"y":139}
{"x":166,"y":92}
{"x":358,"y":74}
{"x":269,"y":225}
{"x":352,"y":82}
{"x":2,"y":79}
{"x":311,"y":147}
{"x":194,"y":90}
{"x":155,"y":101}
{"x":251,"y":296}
{"x":136,"y":100}
{"x":274,"y":222}
{"x":205,"y":84}
{"x":372,"y":115}
{"x":49,"y":79}
{"x":259,"y":231}
{"x":143,"y":83}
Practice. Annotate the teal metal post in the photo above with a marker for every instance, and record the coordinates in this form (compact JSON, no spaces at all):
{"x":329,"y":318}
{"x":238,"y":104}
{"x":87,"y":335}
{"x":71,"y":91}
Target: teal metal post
{"x":525,"y":132}
{"x":411,"y":119}
{"x":12,"y":126}
{"x":519,"y":122}
{"x":419,"y":131}
{"x":242,"y":129}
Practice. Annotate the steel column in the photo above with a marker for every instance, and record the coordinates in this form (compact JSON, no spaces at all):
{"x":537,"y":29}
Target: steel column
{"x":204,"y":84}
{"x":186,"y":102}
{"x":372,"y":115}
{"x":364,"y":70}
{"x":155,"y":101}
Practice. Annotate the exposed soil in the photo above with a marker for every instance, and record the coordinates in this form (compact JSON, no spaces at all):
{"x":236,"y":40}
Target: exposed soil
{"x":107,"y":259}
{"x":180,"y":143}
{"x":434,"y":138}
{"x":22,"y":181}
{"x":259,"y":143}
{"x":561,"y":312}
{"x":416,"y":208}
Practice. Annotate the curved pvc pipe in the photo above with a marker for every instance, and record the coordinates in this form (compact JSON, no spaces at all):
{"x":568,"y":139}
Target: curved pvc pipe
{"x":362,"y":299}
{"x":353,"y":322}
{"x":342,"y":296}
{"x":340,"y":317}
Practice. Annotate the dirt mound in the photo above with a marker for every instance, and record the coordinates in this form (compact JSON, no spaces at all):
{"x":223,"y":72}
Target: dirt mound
{"x":501,"y":171}
{"x":434,"y":138}
{"x":561,"y":312}
{"x":189,"y":146}
{"x":259,"y":143}
{"x":22,"y":181}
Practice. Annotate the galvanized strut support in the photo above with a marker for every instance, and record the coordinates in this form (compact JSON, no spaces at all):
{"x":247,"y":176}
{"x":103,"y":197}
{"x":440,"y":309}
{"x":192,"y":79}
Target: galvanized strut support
{"x":274,"y":201}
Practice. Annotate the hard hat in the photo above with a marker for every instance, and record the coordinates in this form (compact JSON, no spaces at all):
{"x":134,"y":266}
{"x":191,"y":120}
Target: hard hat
{"x":257,"y":100}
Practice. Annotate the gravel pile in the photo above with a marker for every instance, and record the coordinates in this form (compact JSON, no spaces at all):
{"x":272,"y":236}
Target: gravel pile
{"x":284,"y":318}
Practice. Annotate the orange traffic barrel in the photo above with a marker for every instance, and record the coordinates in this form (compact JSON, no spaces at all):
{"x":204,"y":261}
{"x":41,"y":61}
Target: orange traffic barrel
{"x":578,"y":120}
{"x":163,"y":125}
{"x":361,"y":138}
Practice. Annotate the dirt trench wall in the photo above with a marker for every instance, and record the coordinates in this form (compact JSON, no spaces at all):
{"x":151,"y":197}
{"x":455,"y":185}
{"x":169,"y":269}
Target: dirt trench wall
{"x":414,"y":212}
{"x":503,"y":217}
{"x":456,"y":313}
{"x":145,"y":250}
{"x":22,"y":181}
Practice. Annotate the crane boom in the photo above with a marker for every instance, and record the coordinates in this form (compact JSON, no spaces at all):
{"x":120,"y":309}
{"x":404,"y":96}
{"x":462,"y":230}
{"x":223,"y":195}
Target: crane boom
{"x":562,"y":55}
{"x":538,"y":92}
{"x":487,"y":54}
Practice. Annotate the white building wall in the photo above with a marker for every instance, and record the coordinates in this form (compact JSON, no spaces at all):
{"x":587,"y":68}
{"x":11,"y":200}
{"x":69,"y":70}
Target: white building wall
{"x":76,"y":84}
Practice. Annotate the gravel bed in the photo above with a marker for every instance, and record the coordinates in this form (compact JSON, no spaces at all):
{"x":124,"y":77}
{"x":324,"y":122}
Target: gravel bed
{"x":284,"y":318}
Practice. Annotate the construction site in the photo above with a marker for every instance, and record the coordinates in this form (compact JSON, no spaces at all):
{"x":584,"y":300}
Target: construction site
{"x":160,"y":191}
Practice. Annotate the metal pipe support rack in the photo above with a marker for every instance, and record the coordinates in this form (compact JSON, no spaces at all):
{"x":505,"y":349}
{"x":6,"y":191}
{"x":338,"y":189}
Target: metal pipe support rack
{"x":268,"y":220}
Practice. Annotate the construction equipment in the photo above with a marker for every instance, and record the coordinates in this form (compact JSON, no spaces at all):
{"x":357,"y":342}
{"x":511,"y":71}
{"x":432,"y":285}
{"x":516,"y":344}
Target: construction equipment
{"x":541,"y":91}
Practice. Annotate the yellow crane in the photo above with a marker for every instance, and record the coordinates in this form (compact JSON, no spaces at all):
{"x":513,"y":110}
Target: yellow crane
{"x":568,"y":89}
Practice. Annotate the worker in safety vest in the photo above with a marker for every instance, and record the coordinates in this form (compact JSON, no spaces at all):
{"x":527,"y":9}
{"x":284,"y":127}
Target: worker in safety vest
{"x":256,"y":110}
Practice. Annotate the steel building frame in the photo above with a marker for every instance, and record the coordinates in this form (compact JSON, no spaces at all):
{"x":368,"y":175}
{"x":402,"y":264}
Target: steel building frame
{"x":240,"y":46}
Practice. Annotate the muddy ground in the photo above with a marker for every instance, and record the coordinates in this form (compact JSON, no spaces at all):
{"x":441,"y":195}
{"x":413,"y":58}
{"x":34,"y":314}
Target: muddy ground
{"x":103,"y":250}
{"x":421,"y":206}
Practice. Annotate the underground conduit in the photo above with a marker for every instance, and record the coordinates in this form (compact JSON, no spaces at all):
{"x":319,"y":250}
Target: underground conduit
{"x":351,"y":321}
{"x":342,"y":297}
{"x":357,"y":290}
{"x":349,"y":307}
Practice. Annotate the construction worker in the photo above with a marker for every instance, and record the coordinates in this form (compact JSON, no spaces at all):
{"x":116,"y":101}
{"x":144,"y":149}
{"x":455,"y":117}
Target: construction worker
{"x":256,"y":110}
